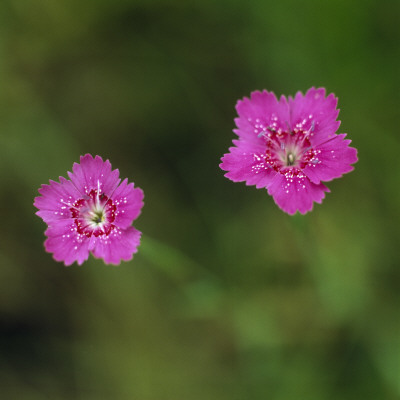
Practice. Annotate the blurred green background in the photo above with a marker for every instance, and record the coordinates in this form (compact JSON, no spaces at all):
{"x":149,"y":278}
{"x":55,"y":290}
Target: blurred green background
{"x":228,"y":297}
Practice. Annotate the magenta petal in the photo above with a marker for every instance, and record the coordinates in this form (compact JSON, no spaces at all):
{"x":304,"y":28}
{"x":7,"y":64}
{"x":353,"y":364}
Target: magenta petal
{"x":260,"y":112}
{"x":121,"y":244}
{"x":129,"y":201}
{"x":248,"y":167}
{"x":315,"y":112}
{"x":65,"y":243}
{"x":52,"y":203}
{"x":92,"y":172}
{"x":293,"y":194}
{"x":333,"y":160}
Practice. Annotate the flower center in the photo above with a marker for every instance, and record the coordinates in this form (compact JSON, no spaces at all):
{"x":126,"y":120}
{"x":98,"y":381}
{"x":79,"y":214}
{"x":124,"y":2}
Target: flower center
{"x":98,"y":217}
{"x":289,"y":151}
{"x":94,"y":214}
{"x":290,"y":159}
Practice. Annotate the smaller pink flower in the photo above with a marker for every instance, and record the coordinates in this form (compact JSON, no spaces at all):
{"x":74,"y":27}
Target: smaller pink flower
{"x":91,"y":212}
{"x":290,"y":147}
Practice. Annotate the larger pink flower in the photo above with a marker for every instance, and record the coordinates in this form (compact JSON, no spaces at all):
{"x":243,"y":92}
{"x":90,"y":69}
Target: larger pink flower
{"x":91,"y":212}
{"x":289,"y":147}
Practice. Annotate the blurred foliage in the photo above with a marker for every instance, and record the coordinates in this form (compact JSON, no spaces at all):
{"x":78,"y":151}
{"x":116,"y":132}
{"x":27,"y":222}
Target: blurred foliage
{"x":228,"y":297}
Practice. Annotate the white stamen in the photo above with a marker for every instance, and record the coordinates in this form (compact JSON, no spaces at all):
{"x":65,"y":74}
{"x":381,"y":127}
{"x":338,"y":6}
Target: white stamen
{"x":69,"y":205}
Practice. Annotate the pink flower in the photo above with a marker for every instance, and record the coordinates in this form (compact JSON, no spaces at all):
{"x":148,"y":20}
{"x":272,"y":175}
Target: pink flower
{"x":91,"y":212}
{"x":289,"y":147}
